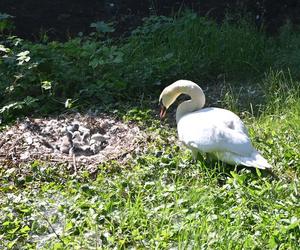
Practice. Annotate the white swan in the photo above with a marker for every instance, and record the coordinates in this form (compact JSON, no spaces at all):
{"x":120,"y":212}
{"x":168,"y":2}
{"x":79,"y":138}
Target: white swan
{"x":215,"y":131}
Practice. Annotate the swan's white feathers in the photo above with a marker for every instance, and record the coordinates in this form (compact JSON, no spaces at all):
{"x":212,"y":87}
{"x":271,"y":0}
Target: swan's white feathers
{"x":209,"y":132}
{"x":216,"y":131}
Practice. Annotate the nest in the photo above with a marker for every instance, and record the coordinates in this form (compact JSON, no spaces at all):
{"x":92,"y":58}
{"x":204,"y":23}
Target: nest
{"x":75,"y":139}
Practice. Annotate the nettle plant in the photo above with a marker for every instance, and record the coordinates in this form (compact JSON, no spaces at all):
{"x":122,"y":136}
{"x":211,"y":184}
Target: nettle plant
{"x":102,"y":29}
{"x":54,"y":73}
{"x":16,"y":66}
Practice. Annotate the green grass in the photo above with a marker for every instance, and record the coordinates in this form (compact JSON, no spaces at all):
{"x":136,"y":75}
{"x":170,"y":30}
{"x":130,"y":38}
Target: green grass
{"x":160,"y":199}
{"x":198,"y":48}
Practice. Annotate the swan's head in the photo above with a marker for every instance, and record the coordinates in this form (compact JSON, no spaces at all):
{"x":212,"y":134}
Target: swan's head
{"x":170,"y":93}
{"x":167,"y":97}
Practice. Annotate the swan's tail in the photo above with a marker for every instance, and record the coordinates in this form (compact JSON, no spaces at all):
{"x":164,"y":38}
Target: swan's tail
{"x":255,"y":160}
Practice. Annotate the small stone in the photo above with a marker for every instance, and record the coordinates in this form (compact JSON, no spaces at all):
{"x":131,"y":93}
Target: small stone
{"x":25,"y":155}
{"x":104,"y":125}
{"x":28,"y":138}
{"x":46,"y":130}
{"x":23,"y":126}
{"x":114,"y":128}
{"x":10,"y":133}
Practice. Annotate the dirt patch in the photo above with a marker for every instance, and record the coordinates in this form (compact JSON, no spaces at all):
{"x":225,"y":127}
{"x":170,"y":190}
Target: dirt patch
{"x":74,"y":139}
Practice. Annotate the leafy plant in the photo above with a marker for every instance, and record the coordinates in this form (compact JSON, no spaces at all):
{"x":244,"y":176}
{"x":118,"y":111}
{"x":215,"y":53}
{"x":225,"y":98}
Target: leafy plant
{"x":163,"y":49}
{"x":103,"y":27}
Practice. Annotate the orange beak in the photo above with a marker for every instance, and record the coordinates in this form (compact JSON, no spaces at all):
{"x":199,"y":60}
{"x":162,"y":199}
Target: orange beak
{"x":163,"y":111}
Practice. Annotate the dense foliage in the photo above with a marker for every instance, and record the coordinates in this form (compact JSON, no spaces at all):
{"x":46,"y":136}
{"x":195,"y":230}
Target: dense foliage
{"x":49,"y":74}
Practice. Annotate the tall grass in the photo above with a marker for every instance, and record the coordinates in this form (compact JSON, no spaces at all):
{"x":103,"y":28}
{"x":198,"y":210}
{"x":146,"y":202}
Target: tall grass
{"x":281,"y":90}
{"x":197,"y":48}
{"x":200,"y":49}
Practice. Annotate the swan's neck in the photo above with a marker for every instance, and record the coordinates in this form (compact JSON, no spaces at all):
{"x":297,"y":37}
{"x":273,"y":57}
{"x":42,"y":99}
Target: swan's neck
{"x":197,"y":102}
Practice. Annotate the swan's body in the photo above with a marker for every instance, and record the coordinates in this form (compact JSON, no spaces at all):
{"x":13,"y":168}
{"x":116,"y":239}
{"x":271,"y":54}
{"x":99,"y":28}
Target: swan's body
{"x":215,"y":131}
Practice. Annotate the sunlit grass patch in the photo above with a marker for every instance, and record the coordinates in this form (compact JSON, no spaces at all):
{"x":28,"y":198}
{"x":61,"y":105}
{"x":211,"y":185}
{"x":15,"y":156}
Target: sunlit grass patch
{"x":161,"y":199}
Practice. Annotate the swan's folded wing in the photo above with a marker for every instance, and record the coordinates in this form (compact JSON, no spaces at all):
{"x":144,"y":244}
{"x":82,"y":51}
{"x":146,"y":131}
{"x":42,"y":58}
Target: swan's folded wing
{"x":222,"y":139}
{"x":235,"y":141}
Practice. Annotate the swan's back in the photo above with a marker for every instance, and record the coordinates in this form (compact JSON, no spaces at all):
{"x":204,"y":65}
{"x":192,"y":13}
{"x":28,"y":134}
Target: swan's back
{"x":215,"y":116}
{"x":214,"y":130}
